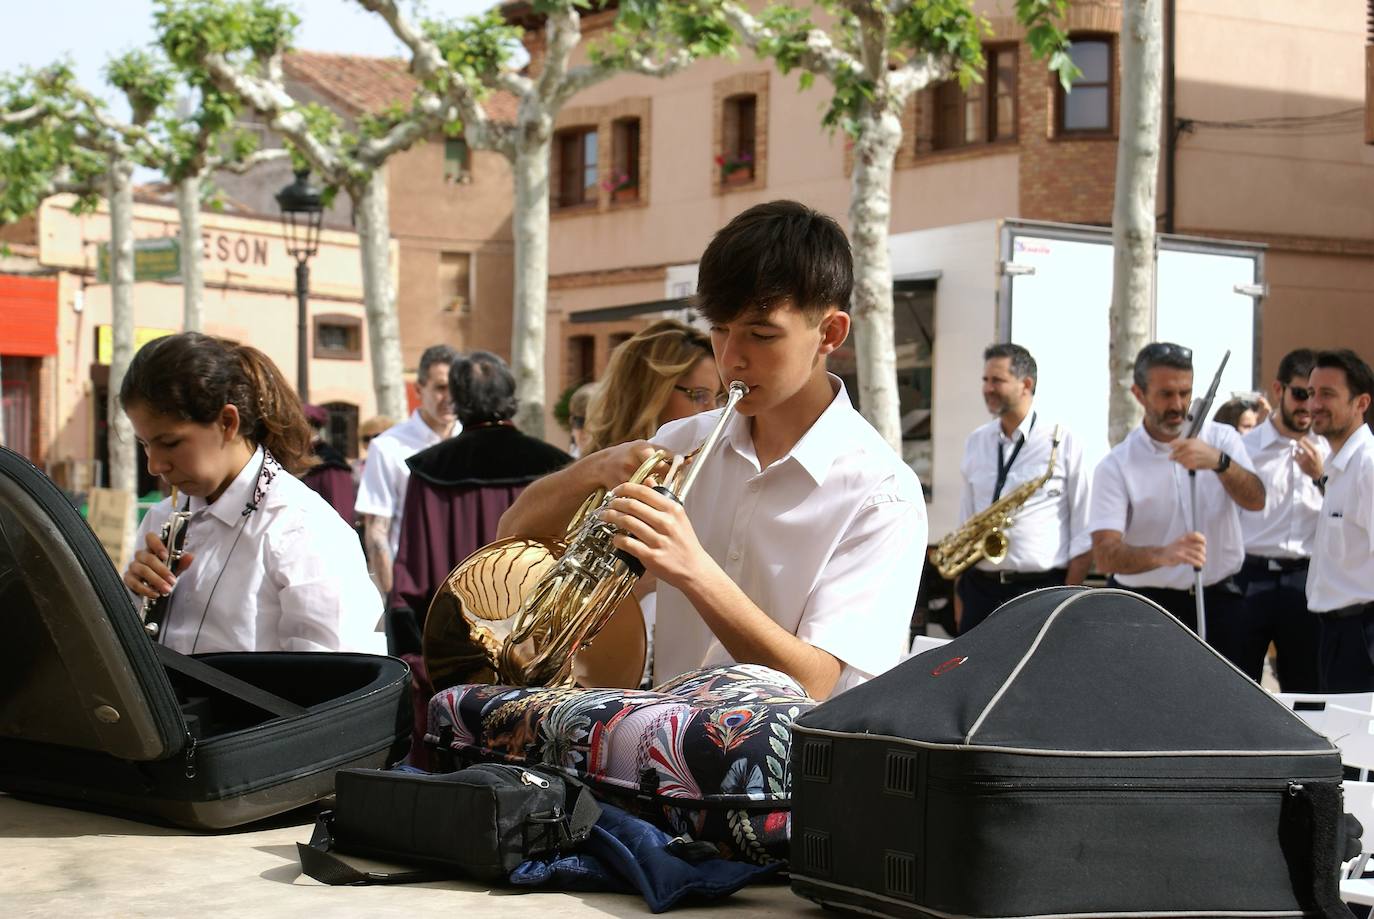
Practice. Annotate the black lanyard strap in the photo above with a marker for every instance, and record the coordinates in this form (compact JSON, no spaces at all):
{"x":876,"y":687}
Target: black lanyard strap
{"x":1004,"y":468}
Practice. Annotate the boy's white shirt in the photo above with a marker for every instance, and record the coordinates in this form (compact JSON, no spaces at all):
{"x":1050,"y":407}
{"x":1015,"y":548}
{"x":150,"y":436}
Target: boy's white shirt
{"x":828,"y":541}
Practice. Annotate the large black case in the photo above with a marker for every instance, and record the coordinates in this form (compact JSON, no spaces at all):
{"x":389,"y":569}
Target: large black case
{"x":93,"y":714}
{"x":1080,"y":753}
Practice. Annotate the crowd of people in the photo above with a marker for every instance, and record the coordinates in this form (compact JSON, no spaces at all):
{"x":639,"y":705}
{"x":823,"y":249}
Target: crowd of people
{"x":801,"y":546}
{"x":1278,"y":526}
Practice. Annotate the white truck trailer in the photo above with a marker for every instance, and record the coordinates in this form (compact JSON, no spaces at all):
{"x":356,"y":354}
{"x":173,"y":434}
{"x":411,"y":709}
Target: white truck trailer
{"x":1047,"y":287}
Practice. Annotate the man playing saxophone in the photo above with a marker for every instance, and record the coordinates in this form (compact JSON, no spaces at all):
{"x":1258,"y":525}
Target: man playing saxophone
{"x":1048,"y":542}
{"x":800,"y":546}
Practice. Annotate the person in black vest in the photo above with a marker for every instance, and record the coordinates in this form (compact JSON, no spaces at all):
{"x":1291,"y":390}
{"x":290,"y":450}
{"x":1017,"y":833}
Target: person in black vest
{"x":1050,"y":544}
{"x":459,"y":488}
{"x":332,"y":476}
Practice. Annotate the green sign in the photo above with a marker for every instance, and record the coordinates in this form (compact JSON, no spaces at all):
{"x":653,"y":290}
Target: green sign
{"x":154,"y":260}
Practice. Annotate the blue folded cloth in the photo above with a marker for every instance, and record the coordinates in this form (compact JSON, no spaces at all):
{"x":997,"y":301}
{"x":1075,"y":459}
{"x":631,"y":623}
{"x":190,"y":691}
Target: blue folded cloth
{"x":624,"y":854}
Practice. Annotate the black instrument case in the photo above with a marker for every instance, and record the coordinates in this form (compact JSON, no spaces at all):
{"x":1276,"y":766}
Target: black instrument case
{"x":94,"y":714}
{"x":1080,"y":753}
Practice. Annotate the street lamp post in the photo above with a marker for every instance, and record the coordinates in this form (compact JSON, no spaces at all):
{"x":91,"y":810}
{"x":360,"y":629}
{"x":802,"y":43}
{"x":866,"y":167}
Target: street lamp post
{"x":302,"y":210}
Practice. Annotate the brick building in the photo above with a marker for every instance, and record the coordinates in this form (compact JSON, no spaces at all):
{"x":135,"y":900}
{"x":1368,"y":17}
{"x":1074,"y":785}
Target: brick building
{"x":1267,"y":145}
{"x":450,"y":207}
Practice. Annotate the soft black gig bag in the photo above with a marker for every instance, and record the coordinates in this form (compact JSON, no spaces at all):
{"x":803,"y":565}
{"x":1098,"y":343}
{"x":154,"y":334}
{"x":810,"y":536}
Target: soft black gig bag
{"x":1080,"y":753}
{"x":94,"y":714}
{"x":481,"y":822}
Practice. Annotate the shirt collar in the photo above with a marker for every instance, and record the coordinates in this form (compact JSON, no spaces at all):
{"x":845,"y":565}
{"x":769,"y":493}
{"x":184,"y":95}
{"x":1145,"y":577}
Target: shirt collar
{"x":1146,"y":442}
{"x":819,"y":447}
{"x":1022,"y":432}
{"x":1353,"y":445}
{"x":1268,"y":433}
{"x":228,"y":507}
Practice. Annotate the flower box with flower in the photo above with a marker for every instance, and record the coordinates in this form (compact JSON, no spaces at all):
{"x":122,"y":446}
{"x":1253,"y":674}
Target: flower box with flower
{"x":623,"y":187}
{"x":736,"y":168}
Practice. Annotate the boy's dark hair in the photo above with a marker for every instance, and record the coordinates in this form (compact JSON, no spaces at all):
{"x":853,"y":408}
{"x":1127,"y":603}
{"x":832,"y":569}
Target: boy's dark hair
{"x":1359,"y":379}
{"x":1160,"y":354}
{"x":771,"y":253}
{"x":1019,"y":359}
{"x":1297,"y":363}
{"x":483,"y":389}
{"x":434,"y":354}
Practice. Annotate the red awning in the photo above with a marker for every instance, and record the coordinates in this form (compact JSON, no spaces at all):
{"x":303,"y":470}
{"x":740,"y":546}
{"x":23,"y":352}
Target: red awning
{"x":28,"y":316}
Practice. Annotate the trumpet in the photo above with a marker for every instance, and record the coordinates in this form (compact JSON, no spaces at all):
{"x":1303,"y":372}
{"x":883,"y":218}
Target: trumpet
{"x":483,"y":625}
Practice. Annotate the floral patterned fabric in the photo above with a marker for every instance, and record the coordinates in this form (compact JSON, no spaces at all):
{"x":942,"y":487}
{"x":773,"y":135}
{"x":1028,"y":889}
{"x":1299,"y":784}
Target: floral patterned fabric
{"x":704,"y":755}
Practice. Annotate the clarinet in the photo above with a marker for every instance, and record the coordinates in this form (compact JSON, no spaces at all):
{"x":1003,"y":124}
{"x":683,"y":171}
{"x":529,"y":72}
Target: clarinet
{"x":173,"y":535}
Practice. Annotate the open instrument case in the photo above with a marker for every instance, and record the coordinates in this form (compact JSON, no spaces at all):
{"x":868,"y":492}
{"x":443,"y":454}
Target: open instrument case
{"x":94,"y":714}
{"x":1080,"y":753}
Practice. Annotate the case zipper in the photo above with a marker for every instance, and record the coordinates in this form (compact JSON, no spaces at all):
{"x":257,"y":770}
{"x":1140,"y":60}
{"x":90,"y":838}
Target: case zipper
{"x":190,"y":756}
{"x":529,"y":778}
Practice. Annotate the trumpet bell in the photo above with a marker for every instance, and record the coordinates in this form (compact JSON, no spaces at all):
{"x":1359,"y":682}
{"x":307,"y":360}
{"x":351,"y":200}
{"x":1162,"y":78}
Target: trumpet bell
{"x":473,"y":614}
{"x":995,"y":545}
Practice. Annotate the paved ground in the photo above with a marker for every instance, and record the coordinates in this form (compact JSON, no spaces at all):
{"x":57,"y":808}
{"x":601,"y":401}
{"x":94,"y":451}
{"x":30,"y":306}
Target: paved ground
{"x":59,"y":862}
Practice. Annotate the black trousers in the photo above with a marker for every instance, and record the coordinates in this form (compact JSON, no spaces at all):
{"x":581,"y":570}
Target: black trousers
{"x":1276,"y":603}
{"x":1229,"y":630}
{"x":981,"y":593}
{"x":1345,"y":649}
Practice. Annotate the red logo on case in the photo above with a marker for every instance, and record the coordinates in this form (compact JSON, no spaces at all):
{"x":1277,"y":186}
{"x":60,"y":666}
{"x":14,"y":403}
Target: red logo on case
{"x":947,"y":666}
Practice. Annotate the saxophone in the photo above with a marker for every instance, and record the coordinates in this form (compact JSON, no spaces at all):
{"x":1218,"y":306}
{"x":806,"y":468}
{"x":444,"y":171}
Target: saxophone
{"x":984,"y":535}
{"x":525,"y":612}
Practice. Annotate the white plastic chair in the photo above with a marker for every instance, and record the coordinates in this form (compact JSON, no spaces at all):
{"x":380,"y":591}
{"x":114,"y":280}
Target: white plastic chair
{"x":1359,"y":800}
{"x":923,"y":643}
{"x":1311,"y":707}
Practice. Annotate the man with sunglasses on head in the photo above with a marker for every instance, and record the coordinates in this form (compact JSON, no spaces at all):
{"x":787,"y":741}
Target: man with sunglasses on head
{"x":1143,"y":530}
{"x":1050,"y":544}
{"x":1340,"y":582}
{"x":1289,"y":460}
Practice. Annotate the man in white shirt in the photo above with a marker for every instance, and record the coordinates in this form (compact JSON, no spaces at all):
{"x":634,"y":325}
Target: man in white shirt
{"x":1288,"y":459}
{"x":1144,"y":532}
{"x":801,"y":545}
{"x":1049,"y":543}
{"x":382,"y":492}
{"x":1340,"y":583}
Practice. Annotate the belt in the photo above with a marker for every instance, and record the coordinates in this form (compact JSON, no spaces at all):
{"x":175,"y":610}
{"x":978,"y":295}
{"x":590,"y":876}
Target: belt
{"x":1021,"y":577}
{"x":1346,"y":612}
{"x":1265,"y":563}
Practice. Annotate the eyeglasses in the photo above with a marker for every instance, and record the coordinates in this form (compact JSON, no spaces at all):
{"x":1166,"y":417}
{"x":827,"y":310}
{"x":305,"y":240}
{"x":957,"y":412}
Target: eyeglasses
{"x":1300,"y":393}
{"x":1160,"y":349}
{"x":702,"y":397}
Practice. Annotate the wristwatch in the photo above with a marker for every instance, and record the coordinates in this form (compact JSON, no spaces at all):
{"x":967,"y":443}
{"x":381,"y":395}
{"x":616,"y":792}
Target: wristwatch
{"x":1223,"y":464}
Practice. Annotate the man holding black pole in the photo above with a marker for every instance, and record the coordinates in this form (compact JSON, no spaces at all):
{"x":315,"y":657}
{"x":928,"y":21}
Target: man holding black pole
{"x":1142,"y":525}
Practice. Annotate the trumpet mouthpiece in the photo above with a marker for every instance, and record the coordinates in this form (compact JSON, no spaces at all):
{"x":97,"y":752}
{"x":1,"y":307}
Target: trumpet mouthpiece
{"x":738,"y":386}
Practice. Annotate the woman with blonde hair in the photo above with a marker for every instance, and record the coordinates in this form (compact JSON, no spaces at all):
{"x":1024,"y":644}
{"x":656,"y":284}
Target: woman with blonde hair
{"x":663,"y":373}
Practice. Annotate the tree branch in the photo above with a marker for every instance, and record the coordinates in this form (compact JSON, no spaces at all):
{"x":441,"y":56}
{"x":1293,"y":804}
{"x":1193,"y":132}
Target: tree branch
{"x":820,"y":56}
{"x":25,"y":117}
{"x":638,"y":62}
{"x":428,"y":64}
{"x":270,"y":99}
{"x":915,"y":75}
{"x":248,"y":163}
{"x":562,"y":32}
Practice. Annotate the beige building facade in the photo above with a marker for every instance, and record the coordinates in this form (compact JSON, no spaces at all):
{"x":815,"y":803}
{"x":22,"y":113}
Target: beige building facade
{"x":1268,"y":145}
{"x":249,"y":297}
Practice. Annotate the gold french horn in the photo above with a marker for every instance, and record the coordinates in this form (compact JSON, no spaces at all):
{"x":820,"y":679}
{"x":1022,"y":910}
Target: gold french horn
{"x":536,"y":612}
